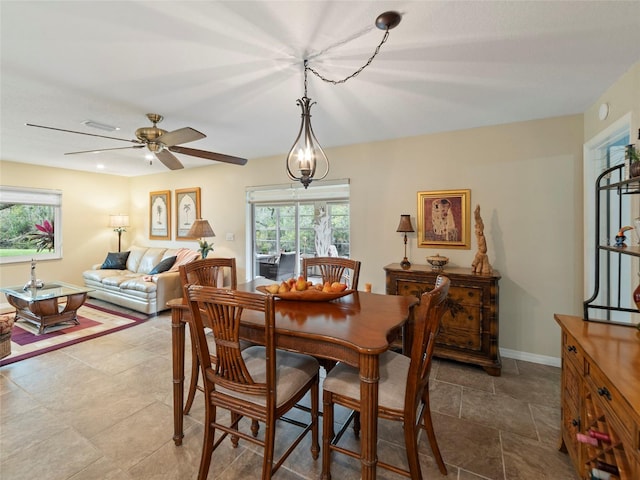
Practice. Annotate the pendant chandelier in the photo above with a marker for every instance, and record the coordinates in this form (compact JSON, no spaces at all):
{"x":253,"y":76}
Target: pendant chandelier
{"x":306,"y":156}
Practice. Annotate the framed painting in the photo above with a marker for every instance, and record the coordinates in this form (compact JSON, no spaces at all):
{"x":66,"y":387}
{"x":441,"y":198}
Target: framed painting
{"x":187,"y":211}
{"x":444,"y":219}
{"x":160,"y":215}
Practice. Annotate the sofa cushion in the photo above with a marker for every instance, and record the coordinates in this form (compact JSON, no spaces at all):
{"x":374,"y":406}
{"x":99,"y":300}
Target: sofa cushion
{"x":133,"y":262}
{"x":138,"y":284}
{"x":150,"y":259}
{"x":100,"y":275}
{"x":115,"y":261}
{"x":116,"y":280}
{"x":163,"y":266}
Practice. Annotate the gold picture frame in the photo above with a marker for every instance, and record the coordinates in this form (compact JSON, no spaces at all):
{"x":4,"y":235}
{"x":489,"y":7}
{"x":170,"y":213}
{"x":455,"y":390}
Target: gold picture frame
{"x":160,"y":215}
{"x":444,"y":219}
{"x":187,"y":211}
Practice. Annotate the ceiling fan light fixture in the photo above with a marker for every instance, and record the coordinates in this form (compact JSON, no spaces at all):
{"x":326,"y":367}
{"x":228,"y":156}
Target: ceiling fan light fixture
{"x":100,"y":126}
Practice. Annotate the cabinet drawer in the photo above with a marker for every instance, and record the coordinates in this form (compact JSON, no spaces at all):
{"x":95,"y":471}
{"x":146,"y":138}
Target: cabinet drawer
{"x":457,"y":294}
{"x":466,"y":295}
{"x":619,"y":413}
{"x":461,"y":325}
{"x":571,"y":352}
{"x":455,"y":337}
{"x":570,"y":428}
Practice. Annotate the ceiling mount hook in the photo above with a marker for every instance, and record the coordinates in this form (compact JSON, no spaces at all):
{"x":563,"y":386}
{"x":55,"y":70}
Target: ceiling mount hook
{"x":388,"y":20}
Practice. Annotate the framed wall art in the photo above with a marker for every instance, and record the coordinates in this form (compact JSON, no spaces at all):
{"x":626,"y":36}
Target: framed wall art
{"x":160,"y":215}
{"x":187,"y":211}
{"x":444,"y":219}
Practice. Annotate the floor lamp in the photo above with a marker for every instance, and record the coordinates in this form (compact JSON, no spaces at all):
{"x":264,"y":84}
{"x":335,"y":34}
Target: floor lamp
{"x":119,"y":223}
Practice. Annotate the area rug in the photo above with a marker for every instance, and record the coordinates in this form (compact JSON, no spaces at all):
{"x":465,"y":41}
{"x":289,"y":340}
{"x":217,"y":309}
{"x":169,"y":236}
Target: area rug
{"x":95,"y":321}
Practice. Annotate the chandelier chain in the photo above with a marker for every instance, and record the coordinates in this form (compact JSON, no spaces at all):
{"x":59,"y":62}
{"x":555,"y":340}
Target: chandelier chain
{"x":336,"y":82}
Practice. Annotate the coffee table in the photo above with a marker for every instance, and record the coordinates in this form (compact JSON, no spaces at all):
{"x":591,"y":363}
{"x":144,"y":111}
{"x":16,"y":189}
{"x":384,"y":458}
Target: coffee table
{"x":54,"y":303}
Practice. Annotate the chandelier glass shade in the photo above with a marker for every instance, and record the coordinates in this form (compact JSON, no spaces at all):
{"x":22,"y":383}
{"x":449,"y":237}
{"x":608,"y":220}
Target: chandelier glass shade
{"x":306,"y":155}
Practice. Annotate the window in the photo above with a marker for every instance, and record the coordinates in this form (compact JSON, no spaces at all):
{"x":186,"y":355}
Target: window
{"x":312,"y":222}
{"x":30,"y":224}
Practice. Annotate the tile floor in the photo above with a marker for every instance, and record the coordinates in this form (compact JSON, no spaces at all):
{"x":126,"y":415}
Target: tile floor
{"x":102,"y":409}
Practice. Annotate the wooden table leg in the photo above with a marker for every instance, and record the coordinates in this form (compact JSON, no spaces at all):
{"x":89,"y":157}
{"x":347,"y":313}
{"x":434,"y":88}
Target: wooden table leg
{"x":177,"y":341}
{"x":369,"y":377}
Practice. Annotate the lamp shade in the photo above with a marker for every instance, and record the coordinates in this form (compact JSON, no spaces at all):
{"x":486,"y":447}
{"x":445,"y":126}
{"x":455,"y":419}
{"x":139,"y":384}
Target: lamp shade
{"x":119,"y":220}
{"x":405,"y":224}
{"x":200,"y":229}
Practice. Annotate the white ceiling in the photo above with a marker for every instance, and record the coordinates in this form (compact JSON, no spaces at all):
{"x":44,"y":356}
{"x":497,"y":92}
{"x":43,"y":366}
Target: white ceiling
{"x":233,"y":70}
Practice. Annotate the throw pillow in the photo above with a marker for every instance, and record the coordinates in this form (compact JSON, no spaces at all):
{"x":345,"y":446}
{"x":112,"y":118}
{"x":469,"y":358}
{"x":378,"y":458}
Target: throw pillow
{"x":184,"y":256}
{"x":116,"y":261}
{"x":163,"y":266}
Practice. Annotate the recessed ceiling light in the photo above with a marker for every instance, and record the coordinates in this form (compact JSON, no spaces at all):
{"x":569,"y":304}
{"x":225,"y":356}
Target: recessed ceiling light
{"x":100,"y":126}
{"x":100,"y":166}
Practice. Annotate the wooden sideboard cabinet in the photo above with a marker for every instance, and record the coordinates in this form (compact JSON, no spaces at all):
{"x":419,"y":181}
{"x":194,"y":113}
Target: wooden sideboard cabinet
{"x":469,"y":329}
{"x":600,"y":397}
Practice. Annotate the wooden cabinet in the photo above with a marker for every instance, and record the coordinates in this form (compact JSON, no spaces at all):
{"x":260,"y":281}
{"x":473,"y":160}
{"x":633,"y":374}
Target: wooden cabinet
{"x":600,"y":397}
{"x":469,"y":329}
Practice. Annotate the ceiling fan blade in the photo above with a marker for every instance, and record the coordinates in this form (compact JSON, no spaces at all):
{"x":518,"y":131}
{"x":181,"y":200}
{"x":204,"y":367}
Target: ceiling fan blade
{"x":169,"y":159}
{"x":104,"y":150}
{"x":84,"y":133}
{"x":218,"y":157}
{"x":177,"y":137}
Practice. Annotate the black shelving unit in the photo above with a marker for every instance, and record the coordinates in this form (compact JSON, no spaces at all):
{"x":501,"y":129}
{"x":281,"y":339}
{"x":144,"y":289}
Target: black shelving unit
{"x":617,"y":189}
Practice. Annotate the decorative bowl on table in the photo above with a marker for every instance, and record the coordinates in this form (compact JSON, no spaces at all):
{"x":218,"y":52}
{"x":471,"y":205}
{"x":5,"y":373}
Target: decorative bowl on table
{"x":437,"y":262}
{"x":310,"y":295}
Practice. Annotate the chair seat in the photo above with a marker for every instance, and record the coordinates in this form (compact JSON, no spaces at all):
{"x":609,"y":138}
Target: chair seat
{"x":344,"y":380}
{"x":293,"y":373}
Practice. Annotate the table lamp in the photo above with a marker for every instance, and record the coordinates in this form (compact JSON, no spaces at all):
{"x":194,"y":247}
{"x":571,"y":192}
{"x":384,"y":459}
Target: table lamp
{"x":405,"y":227}
{"x":119,"y":223}
{"x":201,"y":229}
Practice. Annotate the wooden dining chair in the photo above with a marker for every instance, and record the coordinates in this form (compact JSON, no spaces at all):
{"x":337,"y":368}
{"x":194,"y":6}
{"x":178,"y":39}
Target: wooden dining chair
{"x":403,"y":389}
{"x":211,"y":272}
{"x":259,"y":382}
{"x":333,"y":269}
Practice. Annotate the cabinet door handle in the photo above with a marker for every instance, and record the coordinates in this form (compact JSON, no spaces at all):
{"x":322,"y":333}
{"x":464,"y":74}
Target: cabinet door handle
{"x":604,"y":392}
{"x":572,"y":348}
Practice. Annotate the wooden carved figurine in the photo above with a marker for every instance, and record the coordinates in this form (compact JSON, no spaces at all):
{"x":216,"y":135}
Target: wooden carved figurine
{"x":480,"y":262}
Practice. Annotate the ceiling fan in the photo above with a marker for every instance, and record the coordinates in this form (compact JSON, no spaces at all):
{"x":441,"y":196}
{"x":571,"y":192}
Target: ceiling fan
{"x":161,"y":143}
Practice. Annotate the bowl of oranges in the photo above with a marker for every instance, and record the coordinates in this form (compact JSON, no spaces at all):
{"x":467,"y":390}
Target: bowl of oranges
{"x":301,"y":289}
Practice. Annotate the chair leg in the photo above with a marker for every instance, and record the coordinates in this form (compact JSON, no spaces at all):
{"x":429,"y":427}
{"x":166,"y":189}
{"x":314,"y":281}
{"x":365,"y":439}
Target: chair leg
{"x":195,"y":369}
{"x":315,"y":446}
{"x":411,"y":447}
{"x":327,"y":434}
{"x":235,"y":418}
{"x":207,"y":443}
{"x":356,"y":424}
{"x":255,"y":428}
{"x":269,"y":445}
{"x":431,"y":434}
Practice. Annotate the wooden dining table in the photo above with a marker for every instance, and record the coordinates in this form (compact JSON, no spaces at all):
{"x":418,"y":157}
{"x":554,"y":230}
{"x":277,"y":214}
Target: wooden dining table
{"x":354,"y":329}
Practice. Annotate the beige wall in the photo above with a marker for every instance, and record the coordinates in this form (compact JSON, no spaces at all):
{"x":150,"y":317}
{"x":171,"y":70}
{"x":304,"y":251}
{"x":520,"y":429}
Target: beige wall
{"x":526,"y":176}
{"x":87,"y":201}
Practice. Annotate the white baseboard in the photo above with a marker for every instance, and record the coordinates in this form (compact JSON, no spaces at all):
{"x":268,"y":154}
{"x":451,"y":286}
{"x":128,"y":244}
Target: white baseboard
{"x":531,"y":357}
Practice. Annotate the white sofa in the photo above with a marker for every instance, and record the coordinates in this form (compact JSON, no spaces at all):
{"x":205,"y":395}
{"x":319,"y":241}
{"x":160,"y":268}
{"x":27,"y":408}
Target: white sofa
{"x":133,"y":287}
